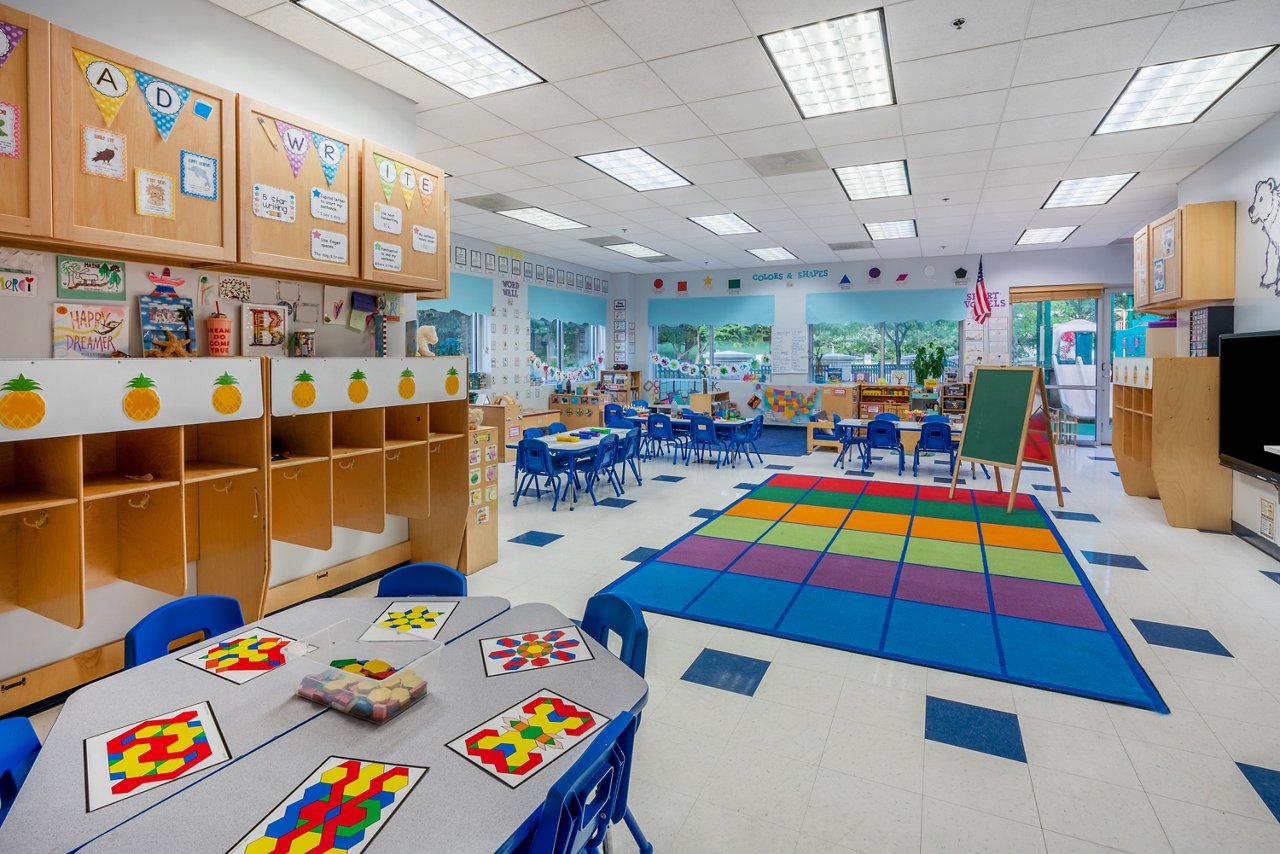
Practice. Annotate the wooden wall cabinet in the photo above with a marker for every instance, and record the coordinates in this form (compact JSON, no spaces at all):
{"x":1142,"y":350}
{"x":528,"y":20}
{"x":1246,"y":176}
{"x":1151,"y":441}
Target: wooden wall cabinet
{"x":403,"y":222}
{"x":25,"y":182}
{"x":1191,"y":256}
{"x":297,"y":219}
{"x":118,"y":184}
{"x":1141,"y":273}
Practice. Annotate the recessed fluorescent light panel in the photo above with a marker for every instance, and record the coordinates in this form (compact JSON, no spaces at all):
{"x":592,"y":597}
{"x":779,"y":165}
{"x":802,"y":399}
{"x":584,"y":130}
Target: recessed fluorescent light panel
{"x":892,"y":230}
{"x":1178,"y":93}
{"x":1079,"y":192}
{"x":875,"y":180}
{"x":1046,"y":235}
{"x":726,"y":223}
{"x":542,"y":219}
{"x":774,"y":253}
{"x":834,"y":66}
{"x":635,"y":250}
{"x":636,"y":168}
{"x":426,"y":38}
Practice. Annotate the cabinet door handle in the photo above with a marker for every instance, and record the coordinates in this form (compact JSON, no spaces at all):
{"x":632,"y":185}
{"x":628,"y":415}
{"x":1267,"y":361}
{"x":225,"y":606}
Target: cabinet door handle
{"x":321,"y":575}
{"x":257,"y":506}
{"x":11,"y":685}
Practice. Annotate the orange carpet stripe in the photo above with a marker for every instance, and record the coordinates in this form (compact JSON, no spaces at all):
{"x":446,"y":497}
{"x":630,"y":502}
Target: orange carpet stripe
{"x":808,"y":514}
{"x":878,"y":523}
{"x":754,"y":508}
{"x":945,"y":529}
{"x":1016,"y":537}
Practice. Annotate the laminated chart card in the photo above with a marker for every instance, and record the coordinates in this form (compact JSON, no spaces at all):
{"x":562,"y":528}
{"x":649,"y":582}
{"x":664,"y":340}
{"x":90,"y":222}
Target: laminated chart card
{"x":340,"y":807}
{"x":410,"y":619}
{"x":529,"y":736}
{"x":246,"y":656}
{"x":538,"y":650}
{"x":141,"y":756}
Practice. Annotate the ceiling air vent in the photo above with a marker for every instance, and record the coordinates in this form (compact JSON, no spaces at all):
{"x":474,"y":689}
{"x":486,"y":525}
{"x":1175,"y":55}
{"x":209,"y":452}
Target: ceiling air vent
{"x":494,"y":202}
{"x":787,"y":163}
{"x":851,"y":245}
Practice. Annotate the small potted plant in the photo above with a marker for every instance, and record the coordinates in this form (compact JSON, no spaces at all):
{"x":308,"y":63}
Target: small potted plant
{"x":929,"y":364}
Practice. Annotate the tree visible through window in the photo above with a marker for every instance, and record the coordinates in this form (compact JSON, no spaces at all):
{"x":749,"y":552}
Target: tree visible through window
{"x":846,"y":351}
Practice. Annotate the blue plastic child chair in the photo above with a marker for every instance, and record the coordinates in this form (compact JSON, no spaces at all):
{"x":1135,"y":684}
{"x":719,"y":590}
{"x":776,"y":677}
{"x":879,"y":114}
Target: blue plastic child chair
{"x":151,"y":636}
{"x":851,"y":439}
{"x":423,"y":579}
{"x":539,"y":462}
{"x":19,"y":748}
{"x":833,"y":433}
{"x":601,"y":466}
{"x":661,"y":435}
{"x":702,"y":437}
{"x":611,"y":411}
{"x":619,"y":424}
{"x":534,"y":433}
{"x":739,"y":442}
{"x":882,"y":435}
{"x":555,"y":427}
{"x":629,"y":412}
{"x":934,"y":436}
{"x":757,"y":433}
{"x":886,"y":416}
{"x":629,"y":454}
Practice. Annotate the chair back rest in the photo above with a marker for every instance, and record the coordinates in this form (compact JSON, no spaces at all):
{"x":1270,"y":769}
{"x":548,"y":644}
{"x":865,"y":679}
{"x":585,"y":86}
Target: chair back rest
{"x":619,"y":424}
{"x":209,"y":615}
{"x":882,"y":434}
{"x":606,"y":452}
{"x":935,"y":436}
{"x":629,"y":412}
{"x":537,"y":458}
{"x":610,"y":612}
{"x":702,"y":428}
{"x":631,"y":443}
{"x":935,"y":417}
{"x":19,"y":748}
{"x":581,"y":804}
{"x":423,"y":579}
{"x":660,"y":426}
{"x":534,"y":432}
{"x":612,"y":410}
{"x":556,"y":427}
{"x":686,"y":412}
{"x":886,"y":416}
{"x":757,"y":426}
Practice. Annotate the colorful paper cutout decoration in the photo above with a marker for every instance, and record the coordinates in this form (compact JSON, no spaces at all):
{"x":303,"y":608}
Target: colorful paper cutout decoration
{"x":87,"y":331}
{"x":411,"y":620}
{"x":340,"y":807}
{"x":21,"y":406}
{"x":165,"y":101}
{"x":387,"y":174}
{"x":142,"y":756}
{"x":10,"y":35}
{"x":296,"y":143}
{"x":108,"y":82}
{"x":426,"y":186}
{"x":330,"y":153}
{"x":263,"y":329}
{"x":408,"y":182}
{"x":242,"y":658}
{"x":168,"y":327}
{"x":90,"y":278}
{"x":10,"y":130}
{"x":518,"y":743}
{"x":533,"y":651}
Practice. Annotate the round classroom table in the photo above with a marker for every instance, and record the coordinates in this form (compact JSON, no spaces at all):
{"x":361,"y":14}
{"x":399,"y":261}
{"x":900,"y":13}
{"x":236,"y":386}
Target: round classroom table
{"x":276,"y":740}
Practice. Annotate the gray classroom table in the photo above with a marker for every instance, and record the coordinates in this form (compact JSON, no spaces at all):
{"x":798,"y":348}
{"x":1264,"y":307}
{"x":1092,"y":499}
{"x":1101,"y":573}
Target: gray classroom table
{"x":276,"y":740}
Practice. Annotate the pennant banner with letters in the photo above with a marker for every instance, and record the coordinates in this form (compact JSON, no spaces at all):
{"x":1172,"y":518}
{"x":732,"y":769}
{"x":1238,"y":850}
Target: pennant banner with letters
{"x":387,"y":174}
{"x":165,"y":100}
{"x":330,"y":153}
{"x":10,"y":35}
{"x":108,"y":82}
{"x":296,"y":143}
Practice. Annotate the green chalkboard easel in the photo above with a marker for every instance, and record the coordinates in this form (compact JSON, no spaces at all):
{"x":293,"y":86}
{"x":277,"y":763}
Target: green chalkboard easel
{"x":1008,"y":424}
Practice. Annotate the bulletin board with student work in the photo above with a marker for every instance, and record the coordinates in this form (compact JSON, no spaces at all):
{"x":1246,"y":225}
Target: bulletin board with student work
{"x":299,"y":194}
{"x":403,"y":235}
{"x":142,"y":154}
{"x":25,"y":190}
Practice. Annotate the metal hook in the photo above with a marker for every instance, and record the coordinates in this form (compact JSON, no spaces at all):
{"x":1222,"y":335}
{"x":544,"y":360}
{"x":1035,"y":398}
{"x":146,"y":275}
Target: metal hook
{"x":40,"y":522}
{"x":226,"y":486}
{"x":143,"y":504}
{"x":392,"y":456}
{"x":293,"y":474}
{"x":346,"y":465}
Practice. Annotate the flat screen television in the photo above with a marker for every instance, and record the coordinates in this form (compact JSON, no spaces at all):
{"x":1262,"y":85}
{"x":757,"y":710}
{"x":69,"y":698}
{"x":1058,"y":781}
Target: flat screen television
{"x":1244,"y":428}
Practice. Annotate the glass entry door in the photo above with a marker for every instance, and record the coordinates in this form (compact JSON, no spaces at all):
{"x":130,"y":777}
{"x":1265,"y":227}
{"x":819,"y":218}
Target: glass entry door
{"x":1064,"y":337}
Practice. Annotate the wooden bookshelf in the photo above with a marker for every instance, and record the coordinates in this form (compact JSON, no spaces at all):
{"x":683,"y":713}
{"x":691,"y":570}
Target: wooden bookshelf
{"x":875,"y":399}
{"x":623,"y":385}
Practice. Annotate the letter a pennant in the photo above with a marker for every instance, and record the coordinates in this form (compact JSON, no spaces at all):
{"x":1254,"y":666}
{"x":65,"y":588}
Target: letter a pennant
{"x":10,"y":35}
{"x":296,"y":142}
{"x":108,"y":82}
{"x":330,"y":152}
{"x":165,"y":100}
{"x":387,"y":174}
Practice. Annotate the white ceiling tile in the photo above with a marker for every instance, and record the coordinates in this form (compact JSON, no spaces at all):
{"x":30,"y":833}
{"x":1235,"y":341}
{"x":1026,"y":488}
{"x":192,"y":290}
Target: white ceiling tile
{"x":1086,"y":167}
{"x":585,"y":138}
{"x":1132,"y":142}
{"x":1047,"y":129}
{"x":1254,"y":101}
{"x":1111,"y":47}
{"x":805,"y":198}
{"x":748,"y":110}
{"x":767,"y":16}
{"x":1162,"y":177}
{"x":563,"y":171}
{"x":1195,"y":157}
{"x":1266,"y":73}
{"x":1035,"y":154}
{"x":948,"y":164}
{"x":518,"y":150}
{"x":923,"y":28}
{"x":997,"y":206}
{"x":461,"y":188}
{"x":318,"y":36}
{"x":567,"y":45}
{"x":505,"y":180}
{"x":941,"y":185}
{"x":427,"y":141}
{"x":728,"y":69}
{"x":547,"y":197}
{"x":411,"y":84}
{"x":536,"y":108}
{"x":820,"y":180}
{"x":466,"y":123}
{"x":1038,"y":191}
{"x":1047,"y":174}
{"x":961,"y":111}
{"x":729,"y":190}
{"x":767,"y":202}
{"x":670,"y":124}
{"x":770,"y":140}
{"x":678,"y":195}
{"x":962,"y":203}
{"x":860,"y":153}
{"x":955,"y":141}
{"x":710,"y":173}
{"x":1205,"y":132}
{"x":247,"y":7}
{"x":882,"y":210}
{"x":656,"y":28}
{"x":598,"y":187}
{"x":858,"y":126}
{"x":691,"y":152}
{"x":1049,"y":18}
{"x":1217,"y":29}
{"x":463,"y":161}
{"x":1095,"y":92}
{"x":962,"y":73}
{"x":486,"y":16}
{"x":632,"y":89}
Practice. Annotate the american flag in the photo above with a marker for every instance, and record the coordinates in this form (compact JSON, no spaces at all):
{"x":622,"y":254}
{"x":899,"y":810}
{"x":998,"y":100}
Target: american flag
{"x":981,"y":302}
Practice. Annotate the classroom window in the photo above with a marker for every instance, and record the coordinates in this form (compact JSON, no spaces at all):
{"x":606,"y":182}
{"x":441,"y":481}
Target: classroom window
{"x":565,"y":345}
{"x":866,"y":352}
{"x":729,"y":344}
{"x":460,"y":334}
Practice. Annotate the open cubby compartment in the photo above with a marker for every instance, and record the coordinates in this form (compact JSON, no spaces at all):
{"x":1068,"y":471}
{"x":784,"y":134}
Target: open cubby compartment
{"x":439,"y":537}
{"x":302,"y":503}
{"x":360,"y":492}
{"x":220,"y":450}
{"x":231,"y":538}
{"x":131,"y":461}
{"x":40,"y":563}
{"x":407,"y":425}
{"x":137,"y":537}
{"x":449,"y":420}
{"x":408,"y":460}
{"x":38,"y":474}
{"x":357,"y":432}
{"x":301,"y":438}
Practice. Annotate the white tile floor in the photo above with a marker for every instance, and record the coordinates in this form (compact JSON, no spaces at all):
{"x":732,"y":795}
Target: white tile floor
{"x":829,"y":755}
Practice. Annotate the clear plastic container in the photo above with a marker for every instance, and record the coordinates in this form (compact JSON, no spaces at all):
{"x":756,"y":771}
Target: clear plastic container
{"x":374,"y":680}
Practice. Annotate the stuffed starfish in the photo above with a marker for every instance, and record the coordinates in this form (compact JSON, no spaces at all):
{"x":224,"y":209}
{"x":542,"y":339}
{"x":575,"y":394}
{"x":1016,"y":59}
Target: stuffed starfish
{"x":172,"y":345}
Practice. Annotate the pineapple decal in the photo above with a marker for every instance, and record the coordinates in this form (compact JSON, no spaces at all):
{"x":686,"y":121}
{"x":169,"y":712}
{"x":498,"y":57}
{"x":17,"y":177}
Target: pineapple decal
{"x":21,"y":406}
{"x":451,"y":382}
{"x":407,"y":386}
{"x":304,"y":390}
{"x":226,"y":397}
{"x":141,"y":401}
{"x":357,"y":389}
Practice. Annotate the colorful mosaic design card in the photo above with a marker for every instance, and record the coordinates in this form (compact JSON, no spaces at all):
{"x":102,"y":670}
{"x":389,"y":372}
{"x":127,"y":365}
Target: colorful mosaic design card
{"x":530,"y":651}
{"x":246,"y":656}
{"x":142,"y":756}
{"x":339,"y":808}
{"x":410,"y":619}
{"x":529,"y":736}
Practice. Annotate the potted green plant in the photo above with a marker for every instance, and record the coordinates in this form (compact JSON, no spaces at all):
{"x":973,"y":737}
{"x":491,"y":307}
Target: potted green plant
{"x":929,"y":364}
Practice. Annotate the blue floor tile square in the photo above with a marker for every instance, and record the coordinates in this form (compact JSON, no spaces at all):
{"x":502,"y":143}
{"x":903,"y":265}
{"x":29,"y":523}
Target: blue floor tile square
{"x":1036,"y":468}
{"x":746,"y":486}
{"x":668,"y":478}
{"x":641,"y":554}
{"x":1104,"y":459}
{"x":705,"y":513}
{"x":616,"y":502}
{"x":779,"y":468}
{"x":974,"y":728}
{"x":1069,"y":516}
{"x":1266,"y":783}
{"x":1046,"y":487}
{"x":947,"y":480}
{"x":535,"y":538}
{"x":1115,"y":474}
{"x":1274,"y":576}
{"x":726,"y":671}
{"x":1108,"y":559}
{"x":856,"y":473}
{"x":1181,"y":637}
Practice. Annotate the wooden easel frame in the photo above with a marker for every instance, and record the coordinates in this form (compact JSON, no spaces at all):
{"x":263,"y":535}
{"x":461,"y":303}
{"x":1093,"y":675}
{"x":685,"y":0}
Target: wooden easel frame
{"x":1037,"y":384}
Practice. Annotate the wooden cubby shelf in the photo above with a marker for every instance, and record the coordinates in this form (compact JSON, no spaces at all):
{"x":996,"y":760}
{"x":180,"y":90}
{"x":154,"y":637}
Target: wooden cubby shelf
{"x":445,"y":437}
{"x":296,"y":460}
{"x":397,"y":444}
{"x":198,"y":471}
{"x":344,"y":451}
{"x":114,"y":485}
{"x":28,"y":500}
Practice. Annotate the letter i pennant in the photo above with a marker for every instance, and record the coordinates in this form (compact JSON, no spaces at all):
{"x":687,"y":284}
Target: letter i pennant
{"x":108,"y":82}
